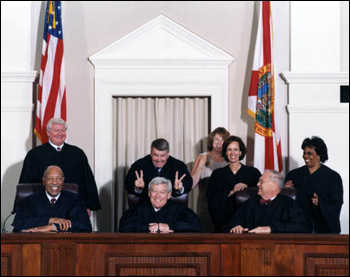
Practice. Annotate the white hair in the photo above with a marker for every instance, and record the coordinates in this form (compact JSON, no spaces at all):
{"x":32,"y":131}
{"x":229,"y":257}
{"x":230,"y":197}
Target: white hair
{"x":160,"y":181}
{"x":277,"y":177}
{"x":55,"y":120}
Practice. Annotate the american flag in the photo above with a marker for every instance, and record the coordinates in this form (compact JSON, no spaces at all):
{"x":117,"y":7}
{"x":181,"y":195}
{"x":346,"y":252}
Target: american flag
{"x":261,"y":99}
{"x":52,"y":85}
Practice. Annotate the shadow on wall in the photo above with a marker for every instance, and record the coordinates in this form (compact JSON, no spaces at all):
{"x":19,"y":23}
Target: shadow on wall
{"x":39,"y":38}
{"x":10,"y":180}
{"x":199,"y":148}
{"x":120,"y":194}
{"x":244,"y":105}
{"x":8,"y":192}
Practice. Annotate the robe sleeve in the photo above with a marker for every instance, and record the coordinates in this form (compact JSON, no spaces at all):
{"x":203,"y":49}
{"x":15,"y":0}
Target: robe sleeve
{"x":292,"y":221}
{"x":186,"y":221}
{"x":133,"y":222}
{"x":79,"y":218}
{"x":27,"y":217}
{"x":91,"y":197}
{"x":330,"y":205}
{"x":239,"y":218}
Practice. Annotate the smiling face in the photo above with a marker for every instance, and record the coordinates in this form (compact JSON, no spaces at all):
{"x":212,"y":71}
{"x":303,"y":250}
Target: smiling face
{"x":268,"y":188}
{"x":58,"y":133}
{"x":159,"y":158}
{"x":310,"y":157}
{"x":233,"y":152}
{"x":53,"y":181}
{"x":218,"y":141}
{"x":159,"y":195}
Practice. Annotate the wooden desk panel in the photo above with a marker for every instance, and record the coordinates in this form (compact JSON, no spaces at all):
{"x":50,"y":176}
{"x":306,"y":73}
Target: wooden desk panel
{"x":116,"y":254}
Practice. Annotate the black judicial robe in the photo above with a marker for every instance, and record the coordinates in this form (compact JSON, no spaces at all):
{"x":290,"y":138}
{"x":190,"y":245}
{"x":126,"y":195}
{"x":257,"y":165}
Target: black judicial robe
{"x":178,"y":217}
{"x":283,"y":215}
{"x":150,"y":171}
{"x":328,"y":185}
{"x":221,"y":207}
{"x":74,"y":163}
{"x":36,"y":210}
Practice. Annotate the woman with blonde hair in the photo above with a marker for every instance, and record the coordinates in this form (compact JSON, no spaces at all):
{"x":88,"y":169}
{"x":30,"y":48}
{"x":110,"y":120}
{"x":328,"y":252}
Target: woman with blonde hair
{"x":204,"y":165}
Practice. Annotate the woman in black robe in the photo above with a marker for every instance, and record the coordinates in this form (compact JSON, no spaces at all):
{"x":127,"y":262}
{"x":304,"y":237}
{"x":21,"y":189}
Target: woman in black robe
{"x":319,"y":188}
{"x":225,"y":182}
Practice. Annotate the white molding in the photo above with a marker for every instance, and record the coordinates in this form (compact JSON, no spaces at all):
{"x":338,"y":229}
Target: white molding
{"x":157,"y":63}
{"x":17,"y":107}
{"x":161,"y":43}
{"x":338,"y":108}
{"x":19,"y":76}
{"x":290,"y":77}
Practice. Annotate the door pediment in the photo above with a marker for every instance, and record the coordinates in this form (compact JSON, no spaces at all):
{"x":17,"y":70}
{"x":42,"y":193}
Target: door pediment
{"x":162,"y":42}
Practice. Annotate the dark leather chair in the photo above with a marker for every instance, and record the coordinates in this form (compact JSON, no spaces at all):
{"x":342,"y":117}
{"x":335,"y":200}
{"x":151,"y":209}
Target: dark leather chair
{"x":182,"y":199}
{"x":244,"y":195}
{"x":25,"y":189}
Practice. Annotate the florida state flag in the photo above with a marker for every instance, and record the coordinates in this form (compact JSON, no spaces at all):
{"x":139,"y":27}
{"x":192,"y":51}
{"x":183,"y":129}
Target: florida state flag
{"x":261,"y":100}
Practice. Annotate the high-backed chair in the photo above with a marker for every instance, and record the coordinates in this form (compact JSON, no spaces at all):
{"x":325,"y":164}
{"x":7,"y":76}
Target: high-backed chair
{"x":244,"y":195}
{"x":25,"y":189}
{"x":182,"y":199}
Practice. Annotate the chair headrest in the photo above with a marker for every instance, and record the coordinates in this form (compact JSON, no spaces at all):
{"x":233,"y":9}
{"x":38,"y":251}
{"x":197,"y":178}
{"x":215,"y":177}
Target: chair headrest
{"x":25,"y":189}
{"x":244,"y":195}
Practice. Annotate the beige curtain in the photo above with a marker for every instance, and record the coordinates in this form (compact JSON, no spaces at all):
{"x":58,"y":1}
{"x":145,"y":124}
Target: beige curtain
{"x":183,"y":122}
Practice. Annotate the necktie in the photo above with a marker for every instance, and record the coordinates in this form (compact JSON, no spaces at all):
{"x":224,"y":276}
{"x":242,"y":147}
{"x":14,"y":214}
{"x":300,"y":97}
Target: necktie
{"x":159,"y":170}
{"x":53,"y":200}
{"x":267,"y":202}
{"x":58,"y":149}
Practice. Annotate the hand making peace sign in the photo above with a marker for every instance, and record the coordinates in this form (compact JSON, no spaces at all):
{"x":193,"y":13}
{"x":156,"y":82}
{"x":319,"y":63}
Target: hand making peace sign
{"x":178,"y":182}
{"x":139,"y":183}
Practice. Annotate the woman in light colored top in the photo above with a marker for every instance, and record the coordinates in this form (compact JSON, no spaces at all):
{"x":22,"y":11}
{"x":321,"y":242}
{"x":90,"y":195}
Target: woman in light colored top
{"x":204,"y":165}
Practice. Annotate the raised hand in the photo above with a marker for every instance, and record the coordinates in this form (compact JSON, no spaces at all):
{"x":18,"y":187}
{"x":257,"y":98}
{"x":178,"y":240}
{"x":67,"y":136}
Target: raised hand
{"x":237,"y":187}
{"x":178,"y":182}
{"x":289,"y":184}
{"x":203,"y":160}
{"x":139,"y":183}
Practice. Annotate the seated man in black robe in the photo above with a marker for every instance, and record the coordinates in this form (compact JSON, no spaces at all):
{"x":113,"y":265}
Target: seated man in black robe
{"x":158,"y":164}
{"x":160,"y":214}
{"x":269,"y":211}
{"x":71,"y":159}
{"x":52,"y":209}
